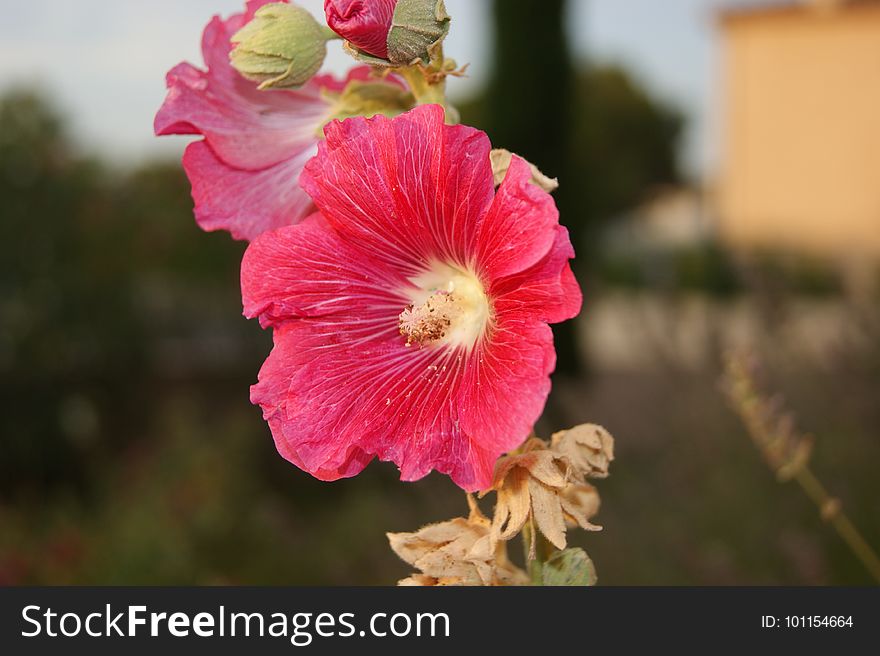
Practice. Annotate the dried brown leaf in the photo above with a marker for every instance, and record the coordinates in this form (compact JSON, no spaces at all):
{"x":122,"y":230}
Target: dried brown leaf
{"x":501,"y":163}
{"x":457,"y":552}
{"x":580,"y":503}
{"x":588,"y":449}
{"x":547,"y":511}
{"x":418,"y":580}
{"x":537,"y":482}
{"x":512,"y":509}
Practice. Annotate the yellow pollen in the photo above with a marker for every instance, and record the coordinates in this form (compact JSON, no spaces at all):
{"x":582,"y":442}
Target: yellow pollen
{"x":448,"y":306}
{"x":428,"y":322}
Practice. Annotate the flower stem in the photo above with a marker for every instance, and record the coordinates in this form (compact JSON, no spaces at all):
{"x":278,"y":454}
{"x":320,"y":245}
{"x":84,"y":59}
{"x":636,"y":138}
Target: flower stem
{"x":537,"y":550}
{"x":530,"y":552}
{"x":330,"y":35}
{"x":788,"y":452}
{"x":425,"y":91}
{"x":829,"y":508}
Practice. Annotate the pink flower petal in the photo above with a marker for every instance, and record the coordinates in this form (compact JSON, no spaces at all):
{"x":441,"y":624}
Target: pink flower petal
{"x":271,"y":134}
{"x":275,"y":377}
{"x":338,"y":389}
{"x":410,"y":189}
{"x":310,"y":272}
{"x":246,"y":203}
{"x":397,"y":197}
{"x":365,"y":23}
{"x":547,"y":290}
{"x":505,"y":386}
{"x":520,"y":228}
{"x":246,"y":128}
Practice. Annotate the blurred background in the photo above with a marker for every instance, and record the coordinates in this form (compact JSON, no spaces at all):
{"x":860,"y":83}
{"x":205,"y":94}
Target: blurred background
{"x":720,"y":170}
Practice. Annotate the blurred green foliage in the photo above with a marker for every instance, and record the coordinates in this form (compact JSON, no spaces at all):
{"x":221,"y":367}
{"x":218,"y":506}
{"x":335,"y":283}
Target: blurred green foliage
{"x":702,"y":268}
{"x":528,"y":109}
{"x":620,"y":145}
{"x":708,"y":268}
{"x":86,"y":289}
{"x":626,"y":143}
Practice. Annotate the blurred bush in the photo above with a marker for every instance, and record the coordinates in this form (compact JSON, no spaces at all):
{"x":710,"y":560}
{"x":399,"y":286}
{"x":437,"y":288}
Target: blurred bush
{"x":621,"y":144}
{"x":92,"y":260}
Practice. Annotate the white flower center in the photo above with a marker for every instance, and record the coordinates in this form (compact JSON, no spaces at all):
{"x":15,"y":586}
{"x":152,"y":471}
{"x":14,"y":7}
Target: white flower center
{"x":448,"y":307}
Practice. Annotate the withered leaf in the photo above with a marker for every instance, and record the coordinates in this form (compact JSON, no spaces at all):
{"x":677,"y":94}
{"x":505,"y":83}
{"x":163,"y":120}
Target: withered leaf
{"x":456,"y":552}
{"x":501,"y":163}
{"x":537,"y":482}
{"x":547,"y":511}
{"x":512,"y":508}
{"x":580,"y":502}
{"x":588,"y":449}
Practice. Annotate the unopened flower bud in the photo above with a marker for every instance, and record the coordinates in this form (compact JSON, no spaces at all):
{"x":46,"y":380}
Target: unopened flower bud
{"x":363,"y":23}
{"x":282,"y":47}
{"x":418,"y":29}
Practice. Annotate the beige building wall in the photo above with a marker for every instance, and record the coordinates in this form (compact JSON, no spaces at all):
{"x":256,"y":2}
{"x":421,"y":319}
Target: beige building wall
{"x":801,"y":147}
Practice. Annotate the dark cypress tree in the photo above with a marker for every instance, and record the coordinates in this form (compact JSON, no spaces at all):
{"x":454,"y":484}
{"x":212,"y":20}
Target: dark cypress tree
{"x":530,"y":112}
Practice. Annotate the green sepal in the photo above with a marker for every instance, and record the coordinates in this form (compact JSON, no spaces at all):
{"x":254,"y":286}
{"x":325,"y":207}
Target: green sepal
{"x":365,"y":57}
{"x":369,"y":98}
{"x":417,"y":32}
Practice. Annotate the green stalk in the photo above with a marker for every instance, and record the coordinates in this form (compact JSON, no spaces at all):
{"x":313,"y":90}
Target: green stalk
{"x":537,"y":550}
{"x":534,"y":565}
{"x":424,"y":91}
{"x":841,"y":523}
{"x":763,"y":424}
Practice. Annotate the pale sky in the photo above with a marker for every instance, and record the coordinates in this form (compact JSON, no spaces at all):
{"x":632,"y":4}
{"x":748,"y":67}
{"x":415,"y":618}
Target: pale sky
{"x":105,"y":60}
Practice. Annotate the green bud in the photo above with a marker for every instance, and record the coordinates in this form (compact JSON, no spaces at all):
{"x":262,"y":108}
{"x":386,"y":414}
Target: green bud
{"x":282,"y":47}
{"x":417,"y":31}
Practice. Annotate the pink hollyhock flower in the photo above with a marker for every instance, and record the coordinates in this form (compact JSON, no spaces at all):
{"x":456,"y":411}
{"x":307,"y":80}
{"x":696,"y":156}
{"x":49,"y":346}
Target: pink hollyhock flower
{"x":364,"y":23}
{"x":244,"y":173}
{"x":411,"y":313}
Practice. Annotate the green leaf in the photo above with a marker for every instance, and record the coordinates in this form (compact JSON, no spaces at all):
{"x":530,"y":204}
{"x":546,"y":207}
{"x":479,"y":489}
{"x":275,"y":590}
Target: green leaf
{"x":571,"y":567}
